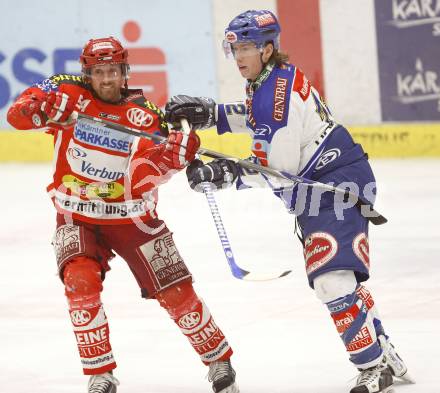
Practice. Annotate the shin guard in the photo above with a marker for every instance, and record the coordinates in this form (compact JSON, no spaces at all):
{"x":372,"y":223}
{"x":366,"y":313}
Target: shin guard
{"x":354,"y":317}
{"x":195,"y":321}
{"x":82,"y":279}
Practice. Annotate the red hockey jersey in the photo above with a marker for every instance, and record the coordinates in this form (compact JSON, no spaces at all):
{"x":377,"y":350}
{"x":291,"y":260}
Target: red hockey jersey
{"x":102,"y":176}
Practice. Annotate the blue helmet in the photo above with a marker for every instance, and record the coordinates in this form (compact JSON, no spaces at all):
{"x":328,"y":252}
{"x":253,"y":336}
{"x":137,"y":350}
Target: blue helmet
{"x":259,"y":27}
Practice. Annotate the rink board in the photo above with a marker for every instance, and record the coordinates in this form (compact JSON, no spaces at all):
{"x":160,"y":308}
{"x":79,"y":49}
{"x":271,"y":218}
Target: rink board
{"x":391,"y":140}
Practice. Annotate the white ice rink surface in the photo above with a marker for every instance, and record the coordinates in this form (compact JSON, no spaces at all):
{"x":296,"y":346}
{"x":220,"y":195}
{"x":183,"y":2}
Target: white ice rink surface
{"x":284,"y":339}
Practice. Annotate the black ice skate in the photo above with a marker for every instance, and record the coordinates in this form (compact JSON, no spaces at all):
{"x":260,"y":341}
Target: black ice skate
{"x":377,"y":379}
{"x":103,"y":383}
{"x":222,"y":376}
{"x":394,"y":361}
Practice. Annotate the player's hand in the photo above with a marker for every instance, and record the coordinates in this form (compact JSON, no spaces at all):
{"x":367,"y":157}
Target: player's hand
{"x":58,"y":107}
{"x":181,"y":148}
{"x":199,"y":111}
{"x":219,"y":173}
{"x":27,"y":106}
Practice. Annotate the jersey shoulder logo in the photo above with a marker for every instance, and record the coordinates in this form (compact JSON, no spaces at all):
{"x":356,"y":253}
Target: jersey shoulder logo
{"x":301,"y":84}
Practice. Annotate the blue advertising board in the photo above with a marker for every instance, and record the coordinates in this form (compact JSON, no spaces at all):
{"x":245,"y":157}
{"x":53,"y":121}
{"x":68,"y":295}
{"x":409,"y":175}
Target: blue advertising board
{"x":408,"y":42}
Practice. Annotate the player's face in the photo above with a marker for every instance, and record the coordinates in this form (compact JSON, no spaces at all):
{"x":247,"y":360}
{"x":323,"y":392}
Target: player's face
{"x":250,"y":59}
{"x":107,"y":81}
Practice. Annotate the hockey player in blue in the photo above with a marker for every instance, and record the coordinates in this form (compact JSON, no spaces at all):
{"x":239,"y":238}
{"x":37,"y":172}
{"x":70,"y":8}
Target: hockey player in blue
{"x":293,"y":131}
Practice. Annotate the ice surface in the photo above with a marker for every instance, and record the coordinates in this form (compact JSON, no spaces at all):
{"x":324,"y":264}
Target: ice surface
{"x":284,"y":340}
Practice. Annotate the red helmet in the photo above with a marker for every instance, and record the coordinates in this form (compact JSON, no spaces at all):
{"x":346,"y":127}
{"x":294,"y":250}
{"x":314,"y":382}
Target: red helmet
{"x":103,"y":51}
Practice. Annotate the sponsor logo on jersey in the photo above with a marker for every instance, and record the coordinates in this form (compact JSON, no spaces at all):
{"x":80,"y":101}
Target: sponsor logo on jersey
{"x":263,"y":130}
{"x":319,"y":249}
{"x":110,"y":190}
{"x":279,"y":99}
{"x":80,"y":317}
{"x":95,"y":164}
{"x":362,"y":340}
{"x":260,"y":148}
{"x":100,"y":172}
{"x":139,"y":118}
{"x":361,"y":249}
{"x":264,"y":20}
{"x":98,"y":135}
{"x":301,"y":84}
{"x":99,"y":209}
{"x":190,"y":320}
{"x":327,"y":157}
{"x":109,"y":116}
{"x":76,"y":152}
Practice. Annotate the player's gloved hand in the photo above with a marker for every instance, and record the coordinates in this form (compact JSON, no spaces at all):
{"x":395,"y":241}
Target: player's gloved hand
{"x":27,"y":106}
{"x":219,"y":173}
{"x":181,"y":148}
{"x":58,"y":106}
{"x":199,"y":111}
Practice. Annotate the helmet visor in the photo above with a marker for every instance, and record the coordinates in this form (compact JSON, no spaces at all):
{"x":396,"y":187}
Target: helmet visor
{"x":240,"y":49}
{"x":106,"y":72}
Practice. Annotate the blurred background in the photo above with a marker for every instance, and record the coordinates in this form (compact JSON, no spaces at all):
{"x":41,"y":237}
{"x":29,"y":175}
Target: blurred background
{"x":376,"y":62}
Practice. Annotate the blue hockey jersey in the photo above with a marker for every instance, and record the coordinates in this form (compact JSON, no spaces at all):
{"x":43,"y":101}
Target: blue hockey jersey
{"x":292,"y":130}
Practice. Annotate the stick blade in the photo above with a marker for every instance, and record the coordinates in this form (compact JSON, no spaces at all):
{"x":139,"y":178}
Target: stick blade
{"x":263,"y":276}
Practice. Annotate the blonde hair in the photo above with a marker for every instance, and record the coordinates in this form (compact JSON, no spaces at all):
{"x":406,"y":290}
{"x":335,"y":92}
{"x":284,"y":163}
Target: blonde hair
{"x":279,"y":57}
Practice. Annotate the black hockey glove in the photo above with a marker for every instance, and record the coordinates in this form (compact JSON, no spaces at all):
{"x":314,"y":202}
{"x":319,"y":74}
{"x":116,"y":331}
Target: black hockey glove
{"x":199,"y":111}
{"x":219,"y":173}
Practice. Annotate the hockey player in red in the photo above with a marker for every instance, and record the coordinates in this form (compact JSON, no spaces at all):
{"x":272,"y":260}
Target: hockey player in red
{"x":104,"y":189}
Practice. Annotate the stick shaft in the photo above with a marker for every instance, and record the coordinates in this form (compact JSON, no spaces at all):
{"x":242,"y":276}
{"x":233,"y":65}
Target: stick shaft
{"x":374,"y":216}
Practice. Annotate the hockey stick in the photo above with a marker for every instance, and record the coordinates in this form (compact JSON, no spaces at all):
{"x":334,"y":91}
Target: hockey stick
{"x":365,"y":206}
{"x":236,"y":270}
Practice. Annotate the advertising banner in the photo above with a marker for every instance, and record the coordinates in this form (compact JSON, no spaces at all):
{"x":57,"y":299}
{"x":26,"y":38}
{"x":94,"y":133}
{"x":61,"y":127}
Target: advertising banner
{"x":408,"y":40}
{"x":169,"y":52}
